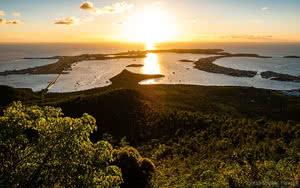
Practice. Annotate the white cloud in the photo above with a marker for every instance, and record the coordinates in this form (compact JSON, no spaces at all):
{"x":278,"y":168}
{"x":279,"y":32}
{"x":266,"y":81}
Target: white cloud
{"x":16,"y":14}
{"x":2,"y":13}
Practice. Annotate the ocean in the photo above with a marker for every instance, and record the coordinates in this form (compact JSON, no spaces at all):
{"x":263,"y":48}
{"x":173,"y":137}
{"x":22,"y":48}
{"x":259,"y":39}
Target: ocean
{"x":90,"y":74}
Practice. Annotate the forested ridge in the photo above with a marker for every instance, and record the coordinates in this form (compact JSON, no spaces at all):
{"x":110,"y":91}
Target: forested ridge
{"x":163,"y":138}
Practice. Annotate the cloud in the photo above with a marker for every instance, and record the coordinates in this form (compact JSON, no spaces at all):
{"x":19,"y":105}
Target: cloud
{"x":265,"y":8}
{"x":2,"y":13}
{"x":87,"y":6}
{"x":14,"y":22}
{"x":256,"y":21}
{"x":113,"y":9}
{"x":67,"y":21}
{"x":2,"y":21}
{"x":16,"y":14}
{"x":74,"y":20}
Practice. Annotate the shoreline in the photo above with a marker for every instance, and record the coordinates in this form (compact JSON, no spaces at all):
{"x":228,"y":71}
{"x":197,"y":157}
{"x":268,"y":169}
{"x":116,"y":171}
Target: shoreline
{"x":64,"y":63}
{"x":128,"y":79}
{"x":207,"y":65}
{"x":186,"y":97}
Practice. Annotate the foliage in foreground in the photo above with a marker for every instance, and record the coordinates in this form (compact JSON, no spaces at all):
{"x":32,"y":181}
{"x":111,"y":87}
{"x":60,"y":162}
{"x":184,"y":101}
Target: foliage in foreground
{"x":214,"y":151}
{"x":40,"y":147}
{"x":204,"y":149}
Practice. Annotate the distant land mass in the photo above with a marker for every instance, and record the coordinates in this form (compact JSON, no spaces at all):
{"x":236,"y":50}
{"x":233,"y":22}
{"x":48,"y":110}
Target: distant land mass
{"x":205,"y":64}
{"x":291,"y":56}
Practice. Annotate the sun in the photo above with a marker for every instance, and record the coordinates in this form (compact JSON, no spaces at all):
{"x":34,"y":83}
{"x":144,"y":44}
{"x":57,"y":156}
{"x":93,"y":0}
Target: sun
{"x":151,"y":25}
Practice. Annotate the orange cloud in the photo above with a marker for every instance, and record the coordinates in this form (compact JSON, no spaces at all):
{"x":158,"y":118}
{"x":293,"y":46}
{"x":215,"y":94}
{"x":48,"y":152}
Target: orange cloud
{"x":2,"y":21}
{"x":87,"y":6}
{"x":2,"y":13}
{"x":14,"y":22}
{"x":67,"y":21}
{"x":113,"y":9}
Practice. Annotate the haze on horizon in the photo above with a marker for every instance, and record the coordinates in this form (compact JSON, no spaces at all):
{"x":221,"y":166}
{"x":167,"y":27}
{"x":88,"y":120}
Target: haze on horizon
{"x":149,"y":21}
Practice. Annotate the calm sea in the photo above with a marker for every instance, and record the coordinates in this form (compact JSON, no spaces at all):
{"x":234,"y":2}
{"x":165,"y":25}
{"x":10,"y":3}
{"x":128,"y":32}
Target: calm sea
{"x":90,"y":74}
{"x":9,"y":52}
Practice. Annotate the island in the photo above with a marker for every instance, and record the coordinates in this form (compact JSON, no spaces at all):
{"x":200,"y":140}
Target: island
{"x":291,"y":57}
{"x":207,"y":65}
{"x":127,"y":78}
{"x":279,"y":77}
{"x":186,"y":60}
{"x":64,"y":63}
{"x":135,"y":65}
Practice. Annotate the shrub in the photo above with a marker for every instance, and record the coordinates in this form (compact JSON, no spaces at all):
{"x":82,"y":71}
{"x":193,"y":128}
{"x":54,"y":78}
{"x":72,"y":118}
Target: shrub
{"x":137,"y":171}
{"x":57,"y":152}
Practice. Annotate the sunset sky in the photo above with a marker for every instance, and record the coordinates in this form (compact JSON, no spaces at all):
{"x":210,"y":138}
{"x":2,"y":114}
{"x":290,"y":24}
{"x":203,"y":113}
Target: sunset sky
{"x":149,"y":21}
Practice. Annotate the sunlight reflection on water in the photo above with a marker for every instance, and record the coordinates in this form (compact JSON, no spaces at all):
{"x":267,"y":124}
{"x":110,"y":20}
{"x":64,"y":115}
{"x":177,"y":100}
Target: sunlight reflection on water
{"x":151,"y":64}
{"x":149,"y":82}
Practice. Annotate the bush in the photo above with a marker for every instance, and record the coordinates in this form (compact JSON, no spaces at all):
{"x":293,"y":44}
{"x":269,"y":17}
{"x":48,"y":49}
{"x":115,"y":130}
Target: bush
{"x":57,"y":152}
{"x":137,"y":171}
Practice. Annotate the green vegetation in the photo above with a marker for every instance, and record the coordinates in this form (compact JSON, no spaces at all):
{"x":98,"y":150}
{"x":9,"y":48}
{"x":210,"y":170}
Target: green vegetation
{"x":215,"y":151}
{"x":9,"y":94}
{"x":195,"y":136}
{"x":41,"y":148}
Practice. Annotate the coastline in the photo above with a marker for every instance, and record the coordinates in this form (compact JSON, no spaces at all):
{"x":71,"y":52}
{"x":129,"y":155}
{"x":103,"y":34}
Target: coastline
{"x":64,"y":64}
{"x":230,"y":100}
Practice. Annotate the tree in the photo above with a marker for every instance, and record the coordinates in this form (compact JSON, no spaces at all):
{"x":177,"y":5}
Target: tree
{"x":40,"y":147}
{"x":136,"y":171}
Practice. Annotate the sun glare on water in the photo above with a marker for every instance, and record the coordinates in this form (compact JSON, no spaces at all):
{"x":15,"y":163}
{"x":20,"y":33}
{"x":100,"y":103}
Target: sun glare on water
{"x":150,"y":26}
{"x":151,"y":64}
